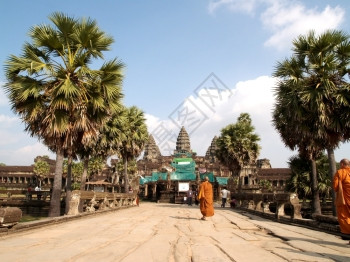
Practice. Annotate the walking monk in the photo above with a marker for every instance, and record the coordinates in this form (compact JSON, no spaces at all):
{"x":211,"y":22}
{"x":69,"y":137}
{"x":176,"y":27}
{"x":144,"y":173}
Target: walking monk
{"x":343,"y":209}
{"x":205,"y":197}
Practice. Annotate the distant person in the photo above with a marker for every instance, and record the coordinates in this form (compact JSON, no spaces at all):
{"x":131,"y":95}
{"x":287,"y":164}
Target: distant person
{"x":196,"y":201}
{"x":29,"y":192}
{"x":233,"y":202}
{"x":205,"y":197}
{"x":138,"y":198}
{"x":342,"y":177}
{"x":189,"y":197}
{"x":224,"y":193}
{"x":37,"y":190}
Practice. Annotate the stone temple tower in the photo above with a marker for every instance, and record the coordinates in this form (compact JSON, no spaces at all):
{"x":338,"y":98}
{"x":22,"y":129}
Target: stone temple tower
{"x":211,"y":152}
{"x":183,"y":142}
{"x":152,"y":151}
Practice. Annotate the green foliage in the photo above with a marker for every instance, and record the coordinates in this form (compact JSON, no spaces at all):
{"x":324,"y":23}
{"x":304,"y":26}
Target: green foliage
{"x":131,"y":169}
{"x":133,"y":135}
{"x":312,"y":107}
{"x":76,"y":186}
{"x":300,"y":180}
{"x":53,"y":89}
{"x":238,"y":145}
{"x":235,"y":181}
{"x":29,"y":218}
{"x":132,"y":138}
{"x":41,"y":169}
{"x":265,"y":184}
{"x":96,"y":165}
{"x":2,"y":164}
{"x":77,"y":170}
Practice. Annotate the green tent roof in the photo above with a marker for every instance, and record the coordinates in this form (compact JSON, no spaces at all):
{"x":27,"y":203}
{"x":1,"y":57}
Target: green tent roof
{"x":182,"y":159}
{"x":222,"y":180}
{"x":209,"y":175}
{"x":182,"y":176}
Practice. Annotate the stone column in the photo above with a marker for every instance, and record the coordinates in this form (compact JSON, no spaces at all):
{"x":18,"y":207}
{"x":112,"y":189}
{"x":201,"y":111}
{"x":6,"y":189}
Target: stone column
{"x":74,"y":203}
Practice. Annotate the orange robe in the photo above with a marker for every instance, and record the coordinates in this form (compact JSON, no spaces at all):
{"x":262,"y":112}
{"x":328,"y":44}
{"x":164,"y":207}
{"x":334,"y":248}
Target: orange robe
{"x":206,"y":199}
{"x":343,"y":211}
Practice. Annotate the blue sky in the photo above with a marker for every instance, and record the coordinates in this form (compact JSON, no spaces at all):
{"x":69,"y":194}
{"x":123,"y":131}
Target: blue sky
{"x":192,"y":63}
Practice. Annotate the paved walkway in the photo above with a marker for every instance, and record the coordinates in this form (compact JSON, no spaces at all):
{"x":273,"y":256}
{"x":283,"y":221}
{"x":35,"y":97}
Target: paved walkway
{"x":166,"y":232}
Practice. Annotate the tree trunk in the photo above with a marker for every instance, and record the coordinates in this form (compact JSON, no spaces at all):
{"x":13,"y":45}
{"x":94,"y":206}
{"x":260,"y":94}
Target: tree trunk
{"x":55,"y":202}
{"x":85,"y":172}
{"x":69,"y":183}
{"x":83,"y":182}
{"x":316,"y":205}
{"x":126,"y":182}
{"x":332,"y":170}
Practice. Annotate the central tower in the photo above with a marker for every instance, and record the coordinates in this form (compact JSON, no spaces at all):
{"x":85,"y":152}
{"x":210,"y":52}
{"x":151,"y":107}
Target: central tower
{"x":183,"y":145}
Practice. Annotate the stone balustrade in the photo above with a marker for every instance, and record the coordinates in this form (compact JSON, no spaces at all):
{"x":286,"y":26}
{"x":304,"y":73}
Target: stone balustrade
{"x":92,"y":201}
{"x":6,"y":195}
{"x":260,"y":202}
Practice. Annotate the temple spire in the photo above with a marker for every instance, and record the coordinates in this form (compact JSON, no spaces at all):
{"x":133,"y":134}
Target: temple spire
{"x":152,"y":151}
{"x":211,"y":152}
{"x":183,"y":142}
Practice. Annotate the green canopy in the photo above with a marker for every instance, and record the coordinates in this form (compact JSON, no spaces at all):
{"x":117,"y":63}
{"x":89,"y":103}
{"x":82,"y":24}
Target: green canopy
{"x":222,"y":180}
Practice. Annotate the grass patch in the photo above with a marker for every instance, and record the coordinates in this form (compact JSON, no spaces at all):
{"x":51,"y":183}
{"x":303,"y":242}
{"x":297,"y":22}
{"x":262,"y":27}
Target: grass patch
{"x":29,"y":218}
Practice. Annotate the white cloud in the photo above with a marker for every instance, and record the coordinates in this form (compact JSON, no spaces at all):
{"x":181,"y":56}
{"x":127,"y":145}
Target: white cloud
{"x":3,"y":98}
{"x":24,"y":156}
{"x":254,"y":97}
{"x":8,"y":121}
{"x":288,"y":20}
{"x":245,"y":6}
{"x":8,"y":137}
{"x":285,"y":19}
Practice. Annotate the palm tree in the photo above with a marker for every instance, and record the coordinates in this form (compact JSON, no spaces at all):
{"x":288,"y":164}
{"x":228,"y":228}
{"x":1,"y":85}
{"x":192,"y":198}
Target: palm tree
{"x":58,"y":96}
{"x":296,"y":127}
{"x":238,"y":144}
{"x":133,"y":137}
{"x":318,"y":72}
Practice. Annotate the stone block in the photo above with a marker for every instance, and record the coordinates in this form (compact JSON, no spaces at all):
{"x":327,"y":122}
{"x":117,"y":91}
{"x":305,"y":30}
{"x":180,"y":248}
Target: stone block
{"x":10,"y":216}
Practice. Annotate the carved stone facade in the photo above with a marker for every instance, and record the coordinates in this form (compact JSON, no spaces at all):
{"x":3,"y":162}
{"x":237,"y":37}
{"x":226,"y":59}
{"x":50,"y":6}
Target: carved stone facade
{"x":183,"y":142}
{"x":249,"y":178}
{"x":210,"y":155}
{"x":152,"y":152}
{"x":153,"y":161}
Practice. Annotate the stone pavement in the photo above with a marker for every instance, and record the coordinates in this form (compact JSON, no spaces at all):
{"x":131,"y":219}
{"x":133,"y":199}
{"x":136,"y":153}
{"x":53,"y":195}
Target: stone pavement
{"x":168,"y":232}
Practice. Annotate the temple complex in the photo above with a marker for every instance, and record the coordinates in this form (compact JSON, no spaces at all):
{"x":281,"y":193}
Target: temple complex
{"x":165,"y":178}
{"x":168,"y":178}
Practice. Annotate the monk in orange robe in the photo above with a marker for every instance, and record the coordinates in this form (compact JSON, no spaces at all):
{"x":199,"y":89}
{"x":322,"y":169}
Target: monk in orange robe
{"x":205,"y":197}
{"x":343,"y":210}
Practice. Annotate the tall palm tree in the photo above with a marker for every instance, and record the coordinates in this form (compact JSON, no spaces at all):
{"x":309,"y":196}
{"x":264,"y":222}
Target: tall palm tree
{"x":133,"y":137}
{"x":58,"y":96}
{"x":296,"y":127}
{"x":237,"y":145}
{"x":318,"y":72}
